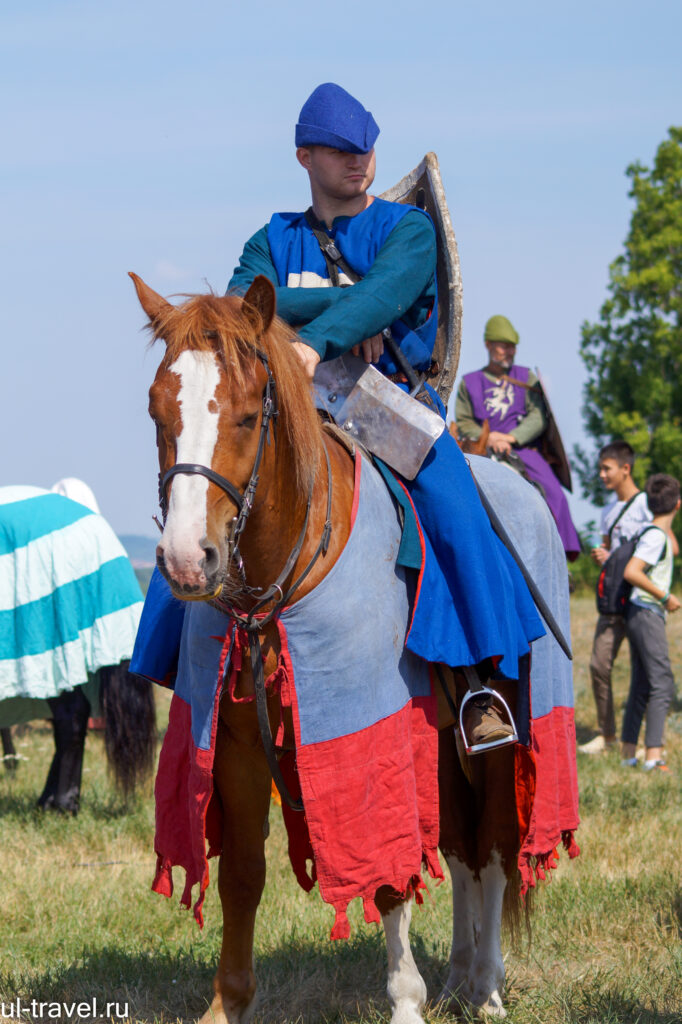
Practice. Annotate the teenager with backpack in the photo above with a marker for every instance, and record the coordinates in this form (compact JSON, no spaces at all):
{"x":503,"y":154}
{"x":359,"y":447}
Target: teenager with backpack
{"x":650,"y":573}
{"x":622,"y":519}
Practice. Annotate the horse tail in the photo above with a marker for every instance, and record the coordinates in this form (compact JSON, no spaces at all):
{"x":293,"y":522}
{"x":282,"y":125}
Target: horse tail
{"x":517,"y":909}
{"x":130,"y":726}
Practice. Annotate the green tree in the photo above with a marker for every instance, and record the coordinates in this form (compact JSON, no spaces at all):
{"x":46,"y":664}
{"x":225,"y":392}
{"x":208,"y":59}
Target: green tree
{"x":633,"y":355}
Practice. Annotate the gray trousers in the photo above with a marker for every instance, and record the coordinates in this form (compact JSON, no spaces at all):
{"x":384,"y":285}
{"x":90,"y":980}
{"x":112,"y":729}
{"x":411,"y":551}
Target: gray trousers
{"x":608,"y":637}
{"x":652,"y":685}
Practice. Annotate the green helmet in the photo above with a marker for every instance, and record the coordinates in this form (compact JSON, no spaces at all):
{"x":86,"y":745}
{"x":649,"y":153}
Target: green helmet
{"x":498,"y":328}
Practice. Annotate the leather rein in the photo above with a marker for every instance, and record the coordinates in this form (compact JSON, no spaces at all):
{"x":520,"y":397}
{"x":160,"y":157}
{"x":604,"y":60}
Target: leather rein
{"x":254,"y":621}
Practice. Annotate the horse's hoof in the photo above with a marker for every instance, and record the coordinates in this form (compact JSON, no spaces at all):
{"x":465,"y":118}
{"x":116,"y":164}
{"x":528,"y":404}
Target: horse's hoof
{"x":407,"y":1015}
{"x":492,"y":1007}
{"x":461,"y":1000}
{"x":456,"y":997}
{"x":218,"y":1013}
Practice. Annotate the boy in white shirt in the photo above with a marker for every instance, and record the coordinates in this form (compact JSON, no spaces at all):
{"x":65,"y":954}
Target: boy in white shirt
{"x":622,"y":519}
{"x":650,"y":571}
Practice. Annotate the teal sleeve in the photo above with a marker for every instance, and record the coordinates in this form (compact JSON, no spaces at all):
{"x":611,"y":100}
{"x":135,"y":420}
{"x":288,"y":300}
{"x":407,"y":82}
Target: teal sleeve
{"x":399,"y":277}
{"x":254,"y":260}
{"x":295,"y":305}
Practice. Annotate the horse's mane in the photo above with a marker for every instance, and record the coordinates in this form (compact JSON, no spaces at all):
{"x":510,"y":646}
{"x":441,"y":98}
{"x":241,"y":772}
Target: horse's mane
{"x":213,"y":323}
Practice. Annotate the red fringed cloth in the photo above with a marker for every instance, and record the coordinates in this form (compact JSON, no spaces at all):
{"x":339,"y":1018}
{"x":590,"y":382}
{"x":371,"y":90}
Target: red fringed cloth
{"x":365,"y":728}
{"x":547,"y":795}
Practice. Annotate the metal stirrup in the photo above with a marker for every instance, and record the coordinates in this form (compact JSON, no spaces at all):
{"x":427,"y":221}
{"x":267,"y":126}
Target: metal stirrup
{"x":476,"y":690}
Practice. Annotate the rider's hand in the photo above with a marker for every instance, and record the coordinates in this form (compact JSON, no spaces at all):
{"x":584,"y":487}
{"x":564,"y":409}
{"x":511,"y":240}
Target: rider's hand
{"x":599,"y":555}
{"x":672,"y":604}
{"x":308,"y":357}
{"x":371,"y":348}
{"x":500,"y":443}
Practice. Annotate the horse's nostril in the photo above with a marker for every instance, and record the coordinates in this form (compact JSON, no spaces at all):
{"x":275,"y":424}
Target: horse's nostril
{"x":211,"y":561}
{"x":160,"y":557}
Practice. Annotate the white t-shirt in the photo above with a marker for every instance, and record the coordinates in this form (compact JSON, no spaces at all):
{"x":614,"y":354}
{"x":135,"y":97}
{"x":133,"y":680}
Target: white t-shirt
{"x":650,"y":548}
{"x":629,"y":524}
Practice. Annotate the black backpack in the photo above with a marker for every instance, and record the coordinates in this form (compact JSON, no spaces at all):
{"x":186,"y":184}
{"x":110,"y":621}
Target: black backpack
{"x":613,"y":591}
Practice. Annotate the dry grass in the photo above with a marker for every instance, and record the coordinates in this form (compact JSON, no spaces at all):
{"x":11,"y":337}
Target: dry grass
{"x":78,"y":919}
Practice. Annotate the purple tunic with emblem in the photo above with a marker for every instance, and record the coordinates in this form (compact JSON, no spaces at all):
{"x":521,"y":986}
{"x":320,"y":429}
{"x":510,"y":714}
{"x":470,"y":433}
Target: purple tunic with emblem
{"x":503,"y":404}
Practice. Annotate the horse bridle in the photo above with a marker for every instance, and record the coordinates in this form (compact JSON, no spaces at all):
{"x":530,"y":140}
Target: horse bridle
{"x":244,"y":502}
{"x":253,"y":622}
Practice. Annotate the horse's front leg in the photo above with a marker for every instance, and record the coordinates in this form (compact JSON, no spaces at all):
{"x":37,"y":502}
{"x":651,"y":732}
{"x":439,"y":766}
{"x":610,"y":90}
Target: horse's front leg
{"x":8,"y":750}
{"x":497,"y":839}
{"x":458,"y":823}
{"x":476,"y":971}
{"x":487,"y":972}
{"x":480,"y":839}
{"x":70,"y":712}
{"x":406,"y":988}
{"x":243,"y":780}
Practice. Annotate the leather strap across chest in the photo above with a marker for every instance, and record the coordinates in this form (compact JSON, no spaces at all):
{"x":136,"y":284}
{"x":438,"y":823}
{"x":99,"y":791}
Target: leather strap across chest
{"x":336,"y":263}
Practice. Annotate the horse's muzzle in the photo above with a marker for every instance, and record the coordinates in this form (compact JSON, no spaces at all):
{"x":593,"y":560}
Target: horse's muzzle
{"x":189,"y":578}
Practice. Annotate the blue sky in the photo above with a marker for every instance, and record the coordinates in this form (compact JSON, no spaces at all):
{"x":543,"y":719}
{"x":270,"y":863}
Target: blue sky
{"x":157,"y":137}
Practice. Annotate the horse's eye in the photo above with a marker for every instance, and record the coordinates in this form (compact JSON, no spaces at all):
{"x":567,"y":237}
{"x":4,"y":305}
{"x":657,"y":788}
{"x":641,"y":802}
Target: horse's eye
{"x":249,"y":421}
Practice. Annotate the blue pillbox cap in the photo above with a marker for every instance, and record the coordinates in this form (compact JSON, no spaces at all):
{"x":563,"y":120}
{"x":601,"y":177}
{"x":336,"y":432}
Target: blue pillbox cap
{"x":332,"y":117}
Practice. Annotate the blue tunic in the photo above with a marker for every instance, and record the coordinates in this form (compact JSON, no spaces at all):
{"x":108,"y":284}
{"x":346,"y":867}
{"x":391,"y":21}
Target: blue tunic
{"x":391,"y":245}
{"x":473,"y":602}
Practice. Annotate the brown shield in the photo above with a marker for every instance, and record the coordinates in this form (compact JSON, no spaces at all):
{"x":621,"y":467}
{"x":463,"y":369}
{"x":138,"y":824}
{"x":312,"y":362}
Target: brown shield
{"x":423,"y":187}
{"x":550,"y":444}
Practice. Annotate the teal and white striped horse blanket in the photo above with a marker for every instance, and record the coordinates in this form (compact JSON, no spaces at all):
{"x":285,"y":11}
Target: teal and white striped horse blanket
{"x":69,"y":599}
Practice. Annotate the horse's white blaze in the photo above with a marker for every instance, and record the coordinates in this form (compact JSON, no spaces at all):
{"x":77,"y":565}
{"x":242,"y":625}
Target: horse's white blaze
{"x":186,"y":523}
{"x":406,"y":988}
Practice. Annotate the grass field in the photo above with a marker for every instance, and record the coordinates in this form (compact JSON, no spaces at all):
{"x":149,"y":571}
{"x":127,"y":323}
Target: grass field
{"x":78,"y":921}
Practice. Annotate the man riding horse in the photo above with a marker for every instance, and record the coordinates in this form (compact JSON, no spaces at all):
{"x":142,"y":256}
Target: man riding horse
{"x":392,"y":248}
{"x":474,"y":606}
{"x":510,"y":398}
{"x":324,"y":657}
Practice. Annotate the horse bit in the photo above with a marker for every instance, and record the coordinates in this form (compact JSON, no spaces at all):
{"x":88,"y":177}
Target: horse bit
{"x":253,"y":621}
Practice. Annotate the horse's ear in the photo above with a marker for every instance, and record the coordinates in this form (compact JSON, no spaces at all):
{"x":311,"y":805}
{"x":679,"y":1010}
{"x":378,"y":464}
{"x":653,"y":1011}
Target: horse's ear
{"x":260,"y":303}
{"x":151,"y":303}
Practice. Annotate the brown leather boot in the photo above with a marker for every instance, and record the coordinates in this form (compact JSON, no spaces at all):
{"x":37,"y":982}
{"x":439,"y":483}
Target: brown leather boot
{"x":483,"y":722}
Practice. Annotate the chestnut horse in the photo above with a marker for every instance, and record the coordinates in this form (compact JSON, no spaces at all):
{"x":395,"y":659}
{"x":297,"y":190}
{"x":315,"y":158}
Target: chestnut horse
{"x":209,"y":401}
